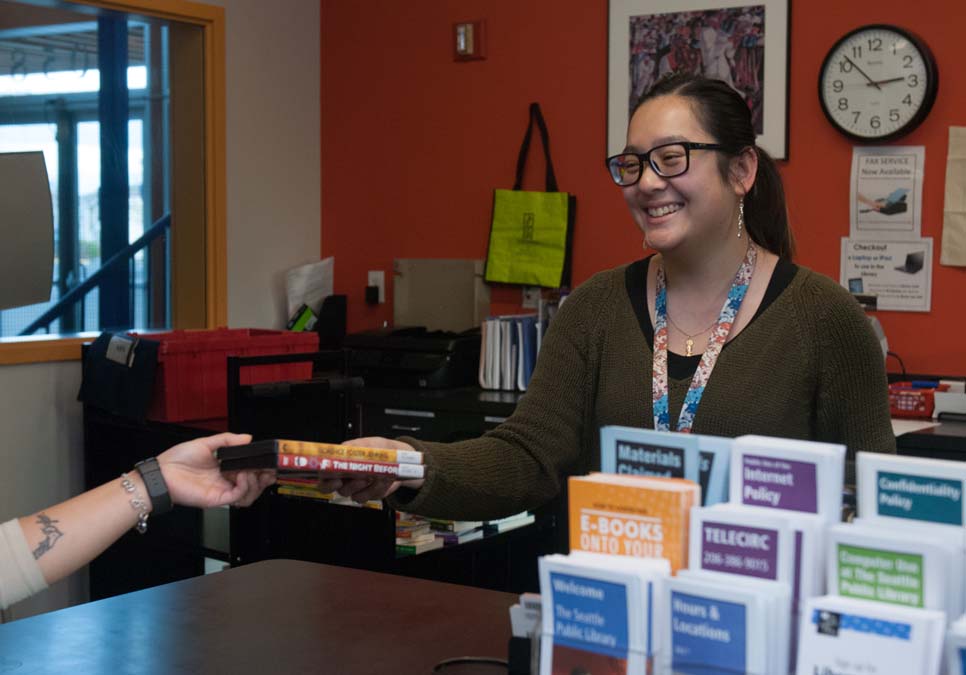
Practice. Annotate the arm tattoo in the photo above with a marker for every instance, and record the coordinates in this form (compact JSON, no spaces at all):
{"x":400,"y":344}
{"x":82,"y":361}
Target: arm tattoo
{"x":51,"y":534}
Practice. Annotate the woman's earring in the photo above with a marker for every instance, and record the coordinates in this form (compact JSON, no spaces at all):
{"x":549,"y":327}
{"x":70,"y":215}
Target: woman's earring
{"x":741,"y":216}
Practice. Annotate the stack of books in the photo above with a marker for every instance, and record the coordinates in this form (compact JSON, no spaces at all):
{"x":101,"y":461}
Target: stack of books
{"x":308,"y":459}
{"x":508,"y":523}
{"x":454,"y":532}
{"x":414,"y":535}
{"x":632,"y":516}
{"x":300,"y":465}
{"x":597,"y":613}
{"x":645,"y":452}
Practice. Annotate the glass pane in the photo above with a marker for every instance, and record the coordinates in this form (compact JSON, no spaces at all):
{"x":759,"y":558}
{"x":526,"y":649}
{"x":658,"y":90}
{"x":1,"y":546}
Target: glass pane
{"x":61,"y":72}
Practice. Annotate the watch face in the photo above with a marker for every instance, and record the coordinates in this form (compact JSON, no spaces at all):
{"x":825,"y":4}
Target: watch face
{"x":877,"y":83}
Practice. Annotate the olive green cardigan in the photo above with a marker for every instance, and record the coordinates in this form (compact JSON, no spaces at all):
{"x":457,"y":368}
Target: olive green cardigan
{"x":807,"y":367}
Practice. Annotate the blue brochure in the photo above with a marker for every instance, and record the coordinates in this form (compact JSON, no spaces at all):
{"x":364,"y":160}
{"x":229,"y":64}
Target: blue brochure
{"x":715,"y":458}
{"x":645,"y":452}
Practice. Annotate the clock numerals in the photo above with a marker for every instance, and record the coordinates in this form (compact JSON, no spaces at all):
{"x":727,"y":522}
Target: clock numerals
{"x":877,"y":83}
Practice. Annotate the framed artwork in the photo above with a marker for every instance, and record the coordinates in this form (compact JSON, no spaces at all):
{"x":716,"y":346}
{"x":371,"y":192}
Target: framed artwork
{"x":742,"y":43}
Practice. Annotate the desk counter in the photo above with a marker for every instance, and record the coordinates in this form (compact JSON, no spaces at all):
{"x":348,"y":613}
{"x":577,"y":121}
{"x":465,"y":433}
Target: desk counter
{"x":267,"y":617}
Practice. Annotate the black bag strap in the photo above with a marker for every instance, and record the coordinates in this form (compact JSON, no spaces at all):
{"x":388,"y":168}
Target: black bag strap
{"x":536,"y":114}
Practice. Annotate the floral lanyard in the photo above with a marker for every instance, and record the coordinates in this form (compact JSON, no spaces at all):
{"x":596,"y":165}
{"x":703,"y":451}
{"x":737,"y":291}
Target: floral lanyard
{"x":719,"y":334}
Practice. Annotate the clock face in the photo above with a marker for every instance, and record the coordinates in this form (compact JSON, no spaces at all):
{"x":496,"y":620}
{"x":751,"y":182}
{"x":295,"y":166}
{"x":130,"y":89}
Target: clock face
{"x":877,"y":83}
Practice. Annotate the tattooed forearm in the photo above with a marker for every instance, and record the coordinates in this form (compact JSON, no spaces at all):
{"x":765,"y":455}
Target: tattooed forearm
{"x":51,"y":534}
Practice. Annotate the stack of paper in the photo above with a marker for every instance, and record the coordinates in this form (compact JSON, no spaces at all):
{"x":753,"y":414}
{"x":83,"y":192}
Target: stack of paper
{"x":632,"y":516}
{"x":912,"y":567}
{"x":597,"y":613}
{"x":956,"y":647}
{"x":726,"y":624}
{"x":906,"y":489}
{"x":781,"y":473}
{"x":646,"y":452}
{"x":852,"y":637}
{"x":508,"y":351}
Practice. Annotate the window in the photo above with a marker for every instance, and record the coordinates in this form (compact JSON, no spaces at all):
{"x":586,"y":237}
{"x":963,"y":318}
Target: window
{"x":114,"y":101}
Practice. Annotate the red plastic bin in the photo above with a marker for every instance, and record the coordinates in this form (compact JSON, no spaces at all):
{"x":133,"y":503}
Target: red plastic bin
{"x":906,"y":400}
{"x":190,"y":382}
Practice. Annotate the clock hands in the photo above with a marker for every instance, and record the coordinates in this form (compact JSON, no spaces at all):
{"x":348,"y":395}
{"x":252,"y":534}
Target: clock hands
{"x":872,"y":83}
{"x":876,"y":83}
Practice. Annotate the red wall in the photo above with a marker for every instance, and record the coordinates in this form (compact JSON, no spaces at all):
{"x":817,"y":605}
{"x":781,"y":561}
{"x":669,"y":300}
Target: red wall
{"x":413,"y":143}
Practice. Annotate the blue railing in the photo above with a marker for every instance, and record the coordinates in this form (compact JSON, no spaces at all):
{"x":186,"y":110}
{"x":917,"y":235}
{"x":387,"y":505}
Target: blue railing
{"x":76,"y":294}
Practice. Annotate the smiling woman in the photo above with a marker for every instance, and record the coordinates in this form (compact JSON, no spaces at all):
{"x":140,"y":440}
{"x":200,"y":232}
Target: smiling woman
{"x":717,"y":333}
{"x":114,"y":100}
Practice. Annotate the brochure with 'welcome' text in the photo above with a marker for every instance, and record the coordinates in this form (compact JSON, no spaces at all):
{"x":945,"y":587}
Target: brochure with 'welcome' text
{"x":597,"y":613}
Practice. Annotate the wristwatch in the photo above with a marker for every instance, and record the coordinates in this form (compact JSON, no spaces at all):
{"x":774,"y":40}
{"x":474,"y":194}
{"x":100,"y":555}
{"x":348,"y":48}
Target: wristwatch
{"x":150,"y":472}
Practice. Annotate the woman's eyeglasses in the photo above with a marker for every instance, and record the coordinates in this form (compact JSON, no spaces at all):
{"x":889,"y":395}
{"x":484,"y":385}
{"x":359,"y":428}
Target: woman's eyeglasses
{"x":667,"y":160}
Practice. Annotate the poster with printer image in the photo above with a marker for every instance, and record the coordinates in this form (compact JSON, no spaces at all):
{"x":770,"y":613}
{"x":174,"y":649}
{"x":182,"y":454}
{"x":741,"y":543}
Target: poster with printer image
{"x":886,"y":192}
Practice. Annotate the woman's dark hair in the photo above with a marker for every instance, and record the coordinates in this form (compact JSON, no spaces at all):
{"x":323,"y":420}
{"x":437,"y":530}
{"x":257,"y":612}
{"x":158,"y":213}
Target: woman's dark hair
{"x":726,"y":117}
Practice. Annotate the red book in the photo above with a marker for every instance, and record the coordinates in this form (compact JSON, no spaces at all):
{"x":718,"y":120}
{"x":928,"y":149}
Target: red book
{"x":348,"y":467}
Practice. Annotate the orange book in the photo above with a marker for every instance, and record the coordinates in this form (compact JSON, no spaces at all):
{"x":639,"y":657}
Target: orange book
{"x":637,"y":516}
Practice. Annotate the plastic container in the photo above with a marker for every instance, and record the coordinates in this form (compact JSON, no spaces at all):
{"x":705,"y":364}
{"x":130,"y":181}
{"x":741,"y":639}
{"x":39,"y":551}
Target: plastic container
{"x":908,"y":399}
{"x":191,"y":378}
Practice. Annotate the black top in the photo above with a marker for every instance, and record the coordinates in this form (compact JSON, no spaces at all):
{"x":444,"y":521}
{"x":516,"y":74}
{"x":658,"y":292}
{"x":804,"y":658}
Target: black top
{"x":680,"y":367}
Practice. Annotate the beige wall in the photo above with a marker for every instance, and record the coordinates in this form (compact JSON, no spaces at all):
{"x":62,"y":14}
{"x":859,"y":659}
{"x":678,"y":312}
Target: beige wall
{"x":274,"y":160}
{"x":273,"y":224}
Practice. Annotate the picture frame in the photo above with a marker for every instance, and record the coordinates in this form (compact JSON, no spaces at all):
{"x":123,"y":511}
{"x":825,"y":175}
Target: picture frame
{"x":744,"y":42}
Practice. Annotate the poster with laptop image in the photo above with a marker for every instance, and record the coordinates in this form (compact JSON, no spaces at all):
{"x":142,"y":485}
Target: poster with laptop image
{"x":896,"y":274}
{"x":886,"y":192}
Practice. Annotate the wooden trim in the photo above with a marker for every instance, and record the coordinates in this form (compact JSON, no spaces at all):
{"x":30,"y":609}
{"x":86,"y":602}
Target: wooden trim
{"x":216,"y":144}
{"x":42,"y":349}
{"x":173,"y":10}
{"x":212,"y":21}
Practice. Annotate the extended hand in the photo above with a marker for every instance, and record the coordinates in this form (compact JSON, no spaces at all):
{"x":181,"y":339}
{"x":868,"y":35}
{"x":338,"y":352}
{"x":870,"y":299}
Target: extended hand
{"x":363,"y":489}
{"x":194,"y":479}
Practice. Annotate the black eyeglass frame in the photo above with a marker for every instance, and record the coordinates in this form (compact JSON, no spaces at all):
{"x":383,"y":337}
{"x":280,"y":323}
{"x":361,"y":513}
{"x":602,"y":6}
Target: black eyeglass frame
{"x":645,"y":158}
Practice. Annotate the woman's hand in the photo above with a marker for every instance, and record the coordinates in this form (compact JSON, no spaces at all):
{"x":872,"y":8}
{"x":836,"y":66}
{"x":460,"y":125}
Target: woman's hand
{"x":365,"y":488}
{"x":194,"y":478}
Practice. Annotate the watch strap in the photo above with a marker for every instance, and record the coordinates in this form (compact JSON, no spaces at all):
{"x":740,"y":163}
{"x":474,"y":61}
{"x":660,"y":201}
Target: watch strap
{"x":157,"y":489}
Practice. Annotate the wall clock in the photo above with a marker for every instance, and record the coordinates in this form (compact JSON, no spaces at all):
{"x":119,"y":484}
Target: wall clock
{"x":878,"y":82}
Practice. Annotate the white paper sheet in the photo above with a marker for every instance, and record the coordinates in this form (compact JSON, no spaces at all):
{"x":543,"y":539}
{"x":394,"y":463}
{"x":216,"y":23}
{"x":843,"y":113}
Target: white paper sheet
{"x":310,"y":284}
{"x":953,"y":251}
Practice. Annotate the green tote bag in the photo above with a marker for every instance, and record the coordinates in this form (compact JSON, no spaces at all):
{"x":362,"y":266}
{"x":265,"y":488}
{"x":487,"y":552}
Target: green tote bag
{"x":531,"y":232}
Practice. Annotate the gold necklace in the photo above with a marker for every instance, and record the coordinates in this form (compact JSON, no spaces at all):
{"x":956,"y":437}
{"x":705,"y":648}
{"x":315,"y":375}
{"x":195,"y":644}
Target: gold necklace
{"x":689,"y":339}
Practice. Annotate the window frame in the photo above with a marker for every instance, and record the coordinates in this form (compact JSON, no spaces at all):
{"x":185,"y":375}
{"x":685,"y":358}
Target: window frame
{"x":211,"y":19}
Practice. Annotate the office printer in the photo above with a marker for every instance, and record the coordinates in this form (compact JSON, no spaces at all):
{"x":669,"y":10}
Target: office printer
{"x":415,"y":357}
